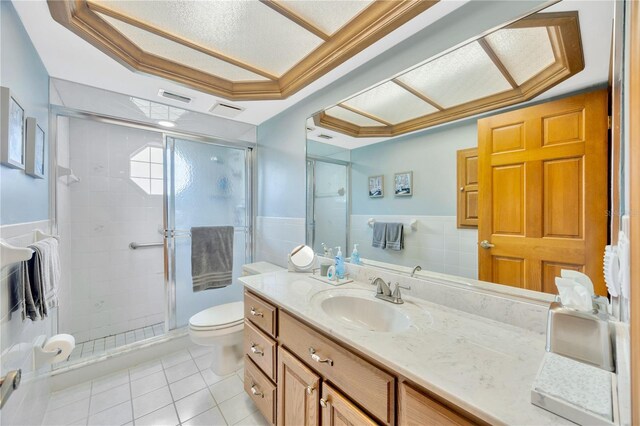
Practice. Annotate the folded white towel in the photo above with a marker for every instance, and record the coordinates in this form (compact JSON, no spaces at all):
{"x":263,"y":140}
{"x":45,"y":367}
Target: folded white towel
{"x":49,"y":268}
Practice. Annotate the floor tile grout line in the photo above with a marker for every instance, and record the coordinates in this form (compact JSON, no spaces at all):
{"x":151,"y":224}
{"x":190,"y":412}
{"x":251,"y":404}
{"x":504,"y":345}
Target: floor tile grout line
{"x":130,"y":397}
{"x":173,"y":402}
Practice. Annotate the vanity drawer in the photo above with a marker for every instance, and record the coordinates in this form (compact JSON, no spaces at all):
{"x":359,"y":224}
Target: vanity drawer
{"x":260,"y":389}
{"x":260,"y":348}
{"x":365,"y":383}
{"x":260,"y":313}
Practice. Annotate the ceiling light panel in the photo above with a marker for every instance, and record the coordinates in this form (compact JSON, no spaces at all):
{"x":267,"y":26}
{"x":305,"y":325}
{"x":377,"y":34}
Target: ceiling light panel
{"x":391,"y":103}
{"x":183,"y":55}
{"x":328,"y":16}
{"x":351,"y":117}
{"x":524,"y":51}
{"x":248,"y":31}
{"x":464,"y":75}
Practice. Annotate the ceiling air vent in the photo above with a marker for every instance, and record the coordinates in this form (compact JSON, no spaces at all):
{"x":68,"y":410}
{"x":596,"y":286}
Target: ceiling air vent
{"x":323,"y":136}
{"x":226,"y":110}
{"x":174,"y":96}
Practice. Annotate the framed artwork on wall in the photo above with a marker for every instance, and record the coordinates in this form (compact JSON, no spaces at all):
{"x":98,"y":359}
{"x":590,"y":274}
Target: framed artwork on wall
{"x":35,"y":148}
{"x":403,"y":184}
{"x":376,"y":186}
{"x":11,"y":130}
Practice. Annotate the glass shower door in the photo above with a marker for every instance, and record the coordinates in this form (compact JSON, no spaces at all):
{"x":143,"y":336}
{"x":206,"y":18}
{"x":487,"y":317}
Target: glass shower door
{"x":207,"y":185}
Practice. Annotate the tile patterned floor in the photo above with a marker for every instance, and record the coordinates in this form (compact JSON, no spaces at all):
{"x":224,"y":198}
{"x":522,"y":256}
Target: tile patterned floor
{"x":178,"y":389}
{"x":103,"y":344}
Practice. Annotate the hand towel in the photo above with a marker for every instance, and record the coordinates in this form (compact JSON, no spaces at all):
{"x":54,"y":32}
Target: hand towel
{"x":47,"y":274}
{"x":379,"y":235}
{"x":211,"y":257}
{"x":395,"y":236}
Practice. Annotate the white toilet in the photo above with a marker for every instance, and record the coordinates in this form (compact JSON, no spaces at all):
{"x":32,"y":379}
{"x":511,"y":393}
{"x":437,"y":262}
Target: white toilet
{"x":220,"y":327}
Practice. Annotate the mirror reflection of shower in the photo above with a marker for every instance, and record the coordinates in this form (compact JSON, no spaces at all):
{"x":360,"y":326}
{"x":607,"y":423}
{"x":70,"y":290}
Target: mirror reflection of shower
{"x":327,"y":209}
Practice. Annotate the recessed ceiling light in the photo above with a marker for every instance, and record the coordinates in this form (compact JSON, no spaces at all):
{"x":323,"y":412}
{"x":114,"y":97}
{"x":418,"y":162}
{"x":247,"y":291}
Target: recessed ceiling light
{"x":165,"y":123}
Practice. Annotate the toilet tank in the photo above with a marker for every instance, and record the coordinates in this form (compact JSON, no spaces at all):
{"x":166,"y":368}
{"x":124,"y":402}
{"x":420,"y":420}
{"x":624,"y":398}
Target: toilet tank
{"x":260,"y":268}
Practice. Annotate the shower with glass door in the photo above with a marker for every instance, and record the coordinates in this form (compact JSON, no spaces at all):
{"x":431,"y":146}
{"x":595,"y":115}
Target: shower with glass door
{"x":125,"y":227}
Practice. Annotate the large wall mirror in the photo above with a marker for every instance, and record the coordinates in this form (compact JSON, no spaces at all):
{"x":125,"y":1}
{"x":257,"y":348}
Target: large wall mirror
{"x":494,"y":156}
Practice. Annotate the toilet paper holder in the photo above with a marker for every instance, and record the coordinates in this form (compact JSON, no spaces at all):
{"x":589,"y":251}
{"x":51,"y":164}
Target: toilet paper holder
{"x":40,"y":356}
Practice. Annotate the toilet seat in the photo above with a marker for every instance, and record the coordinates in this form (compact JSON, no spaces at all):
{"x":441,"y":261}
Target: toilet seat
{"x":225,"y":316}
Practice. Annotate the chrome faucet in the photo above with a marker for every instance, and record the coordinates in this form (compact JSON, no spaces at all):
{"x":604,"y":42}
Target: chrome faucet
{"x":383,"y":291}
{"x":416,"y":269}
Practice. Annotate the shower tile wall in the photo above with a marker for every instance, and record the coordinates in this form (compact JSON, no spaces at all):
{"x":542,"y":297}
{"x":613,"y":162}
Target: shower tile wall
{"x":111,"y":288}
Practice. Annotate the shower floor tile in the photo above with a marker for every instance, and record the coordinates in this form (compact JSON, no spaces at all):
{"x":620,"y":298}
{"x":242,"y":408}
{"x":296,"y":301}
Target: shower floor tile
{"x":103,"y":344}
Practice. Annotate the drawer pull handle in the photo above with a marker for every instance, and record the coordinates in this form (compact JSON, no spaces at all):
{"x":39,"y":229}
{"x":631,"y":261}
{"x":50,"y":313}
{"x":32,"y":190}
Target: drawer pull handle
{"x":310,"y":389}
{"x":255,"y":391}
{"x":256,"y":349}
{"x":256,"y":313}
{"x":317,"y":358}
{"x":324,"y":403}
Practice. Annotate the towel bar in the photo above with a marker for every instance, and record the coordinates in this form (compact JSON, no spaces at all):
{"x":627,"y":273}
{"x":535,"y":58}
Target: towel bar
{"x":135,"y":246}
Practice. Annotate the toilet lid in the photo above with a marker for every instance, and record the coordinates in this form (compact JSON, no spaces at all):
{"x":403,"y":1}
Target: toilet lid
{"x":219,"y":316}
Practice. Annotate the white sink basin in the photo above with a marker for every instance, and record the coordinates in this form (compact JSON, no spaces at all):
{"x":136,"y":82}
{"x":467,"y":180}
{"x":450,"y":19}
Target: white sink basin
{"x":360,"y":309}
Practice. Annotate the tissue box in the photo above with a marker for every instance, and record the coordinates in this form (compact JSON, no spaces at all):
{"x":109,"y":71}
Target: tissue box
{"x":576,"y":391}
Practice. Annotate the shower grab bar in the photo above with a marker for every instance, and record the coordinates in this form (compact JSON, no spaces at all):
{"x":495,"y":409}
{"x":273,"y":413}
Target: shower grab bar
{"x":135,"y":246}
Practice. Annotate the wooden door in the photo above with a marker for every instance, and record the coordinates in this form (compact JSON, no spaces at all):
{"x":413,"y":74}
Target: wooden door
{"x":467,"y":165}
{"x":543,"y":192}
{"x":417,"y":409}
{"x":298,"y":392}
{"x":337,"y":410}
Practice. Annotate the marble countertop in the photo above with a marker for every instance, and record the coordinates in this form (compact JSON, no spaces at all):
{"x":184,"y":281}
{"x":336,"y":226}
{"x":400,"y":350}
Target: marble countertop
{"x":483,"y":366}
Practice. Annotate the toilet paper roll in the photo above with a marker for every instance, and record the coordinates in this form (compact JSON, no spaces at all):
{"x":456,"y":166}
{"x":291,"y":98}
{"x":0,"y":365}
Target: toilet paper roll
{"x":63,"y":342}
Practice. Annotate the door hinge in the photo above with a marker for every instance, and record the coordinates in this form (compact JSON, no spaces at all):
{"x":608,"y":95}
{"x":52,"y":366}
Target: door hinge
{"x":609,"y":120}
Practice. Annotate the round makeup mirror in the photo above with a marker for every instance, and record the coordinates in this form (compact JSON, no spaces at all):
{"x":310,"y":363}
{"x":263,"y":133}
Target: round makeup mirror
{"x":302,"y":259}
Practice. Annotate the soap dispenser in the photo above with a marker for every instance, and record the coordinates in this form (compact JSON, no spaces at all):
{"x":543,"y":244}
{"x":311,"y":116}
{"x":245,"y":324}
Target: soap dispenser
{"x":339,"y":263}
{"x":355,"y":255}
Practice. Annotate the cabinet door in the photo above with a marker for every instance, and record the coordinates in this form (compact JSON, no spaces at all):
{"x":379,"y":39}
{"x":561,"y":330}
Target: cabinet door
{"x":468,"y":188}
{"x":298,"y":392}
{"x":337,"y":410}
{"x":417,"y":409}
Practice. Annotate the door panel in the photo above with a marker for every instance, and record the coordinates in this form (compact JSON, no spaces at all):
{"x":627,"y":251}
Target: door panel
{"x":337,"y":410}
{"x":508,"y":271}
{"x":563,"y":128}
{"x":563,"y":210}
{"x":543,"y":192}
{"x":298,"y":392}
{"x":467,"y":178}
{"x":508,"y":199}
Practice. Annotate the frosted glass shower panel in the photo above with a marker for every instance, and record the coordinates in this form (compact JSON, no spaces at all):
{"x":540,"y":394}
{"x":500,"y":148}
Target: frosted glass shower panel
{"x":209,"y":188}
{"x":330,"y":206}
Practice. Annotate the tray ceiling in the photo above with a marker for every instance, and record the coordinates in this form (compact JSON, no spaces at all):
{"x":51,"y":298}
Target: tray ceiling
{"x":508,"y":66}
{"x":240,"y":50}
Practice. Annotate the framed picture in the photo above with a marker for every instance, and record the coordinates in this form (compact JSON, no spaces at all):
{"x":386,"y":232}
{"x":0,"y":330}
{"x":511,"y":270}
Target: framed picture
{"x":376,"y":186}
{"x":11,"y":130}
{"x":34,"y":149}
{"x":403,"y":184}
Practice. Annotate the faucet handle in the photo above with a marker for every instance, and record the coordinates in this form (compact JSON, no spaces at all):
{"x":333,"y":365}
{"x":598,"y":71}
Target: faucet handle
{"x":396,"y":291}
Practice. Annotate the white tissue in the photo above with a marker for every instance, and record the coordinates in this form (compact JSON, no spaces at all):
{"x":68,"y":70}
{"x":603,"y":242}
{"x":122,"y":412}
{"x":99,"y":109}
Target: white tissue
{"x":578,"y":277}
{"x":574,"y":295}
{"x":63,"y":342}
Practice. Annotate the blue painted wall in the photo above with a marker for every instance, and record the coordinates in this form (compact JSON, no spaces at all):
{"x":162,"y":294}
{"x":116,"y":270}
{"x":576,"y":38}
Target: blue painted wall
{"x":23,"y":198}
{"x":431,"y":155}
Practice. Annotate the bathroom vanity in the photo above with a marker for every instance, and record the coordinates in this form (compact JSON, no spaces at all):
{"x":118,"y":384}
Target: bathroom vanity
{"x":337,"y":355}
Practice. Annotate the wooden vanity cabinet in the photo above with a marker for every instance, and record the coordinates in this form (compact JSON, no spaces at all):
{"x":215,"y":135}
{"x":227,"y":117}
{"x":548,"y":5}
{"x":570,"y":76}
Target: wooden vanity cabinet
{"x":303,"y":378}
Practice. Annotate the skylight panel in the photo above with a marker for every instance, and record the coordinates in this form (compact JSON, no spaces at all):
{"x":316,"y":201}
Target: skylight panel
{"x":461,"y":76}
{"x":525,"y":52}
{"x":328,"y":15}
{"x":391,"y":103}
{"x":351,"y":117}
